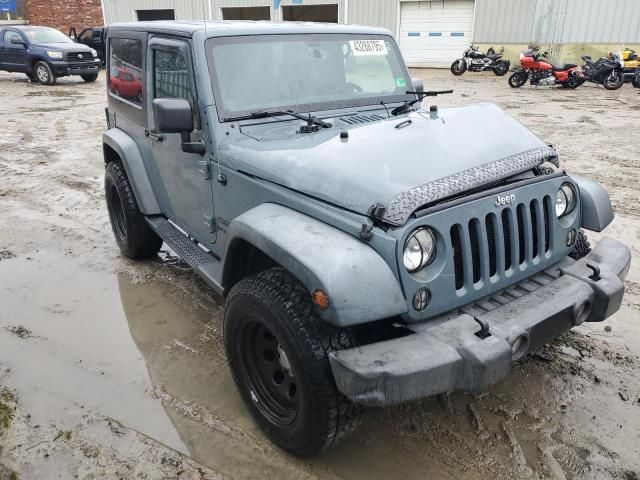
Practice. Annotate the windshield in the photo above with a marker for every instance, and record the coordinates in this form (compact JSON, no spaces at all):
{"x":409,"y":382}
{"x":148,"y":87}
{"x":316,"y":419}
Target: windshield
{"x":305,"y":72}
{"x":47,"y":35}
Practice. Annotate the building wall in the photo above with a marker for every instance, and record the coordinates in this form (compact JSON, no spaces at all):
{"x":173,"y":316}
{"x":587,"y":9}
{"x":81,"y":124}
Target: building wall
{"x":496,"y":21}
{"x":379,"y":13}
{"x":557,"y":21}
{"x":125,"y":10}
{"x":64,"y":14}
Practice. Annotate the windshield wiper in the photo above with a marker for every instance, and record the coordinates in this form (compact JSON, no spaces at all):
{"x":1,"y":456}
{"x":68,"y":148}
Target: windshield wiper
{"x":407,"y":105}
{"x":313,"y":123}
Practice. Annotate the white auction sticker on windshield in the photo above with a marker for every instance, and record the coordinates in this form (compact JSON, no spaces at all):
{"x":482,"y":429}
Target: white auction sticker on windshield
{"x":368,"y":47}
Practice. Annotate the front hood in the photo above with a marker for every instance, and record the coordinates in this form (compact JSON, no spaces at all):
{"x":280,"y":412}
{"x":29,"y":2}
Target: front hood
{"x":65,"y":47}
{"x":400,"y":167}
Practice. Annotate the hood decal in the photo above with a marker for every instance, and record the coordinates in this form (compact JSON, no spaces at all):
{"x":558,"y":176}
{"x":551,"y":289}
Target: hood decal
{"x":403,"y":205}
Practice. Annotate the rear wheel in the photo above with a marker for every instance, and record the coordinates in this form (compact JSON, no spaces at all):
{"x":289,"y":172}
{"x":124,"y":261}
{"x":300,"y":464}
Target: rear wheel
{"x":635,"y":80}
{"x":90,"y":78}
{"x":133,"y":235}
{"x":278,"y":349}
{"x":614,"y":80}
{"x":44,"y":74}
{"x":501,"y":69}
{"x":518,"y":79}
{"x":458,"y":67}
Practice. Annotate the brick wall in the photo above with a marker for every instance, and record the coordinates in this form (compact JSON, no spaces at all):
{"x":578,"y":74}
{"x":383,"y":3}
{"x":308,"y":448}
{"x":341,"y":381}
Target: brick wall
{"x":64,"y":14}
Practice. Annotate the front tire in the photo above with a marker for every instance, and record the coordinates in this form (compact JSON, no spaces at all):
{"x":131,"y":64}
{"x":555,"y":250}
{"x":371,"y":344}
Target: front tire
{"x":458,"y":67}
{"x":635,"y":80}
{"x":278,"y":348}
{"x":90,"y":78}
{"x":614,"y":80}
{"x":518,"y":79}
{"x":44,"y":74}
{"x":133,"y":235}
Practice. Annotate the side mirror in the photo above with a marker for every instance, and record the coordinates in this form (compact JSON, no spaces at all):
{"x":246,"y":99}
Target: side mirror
{"x":418,"y":85}
{"x":174,"y":115}
{"x":18,"y":41}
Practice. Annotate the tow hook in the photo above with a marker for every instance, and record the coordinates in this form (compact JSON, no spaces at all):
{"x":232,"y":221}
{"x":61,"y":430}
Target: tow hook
{"x":595,"y":276}
{"x":484,"y":328}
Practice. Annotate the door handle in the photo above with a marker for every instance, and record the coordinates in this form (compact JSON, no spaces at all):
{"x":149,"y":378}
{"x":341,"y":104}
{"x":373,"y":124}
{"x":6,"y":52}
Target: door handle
{"x":154,"y":136}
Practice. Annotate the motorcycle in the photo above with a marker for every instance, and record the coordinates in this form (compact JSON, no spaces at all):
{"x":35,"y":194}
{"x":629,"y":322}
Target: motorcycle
{"x":631,"y":64}
{"x":476,"y":61}
{"x":537,"y":66}
{"x":606,"y":71}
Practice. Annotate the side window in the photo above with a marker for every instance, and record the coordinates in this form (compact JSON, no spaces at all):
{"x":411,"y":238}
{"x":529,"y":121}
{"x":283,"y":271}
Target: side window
{"x":9,"y":35}
{"x":86,"y":35}
{"x":171,"y":79}
{"x":126,"y":77}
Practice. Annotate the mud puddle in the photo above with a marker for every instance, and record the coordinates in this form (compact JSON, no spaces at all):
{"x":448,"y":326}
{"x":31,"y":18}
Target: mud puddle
{"x":137,"y":351}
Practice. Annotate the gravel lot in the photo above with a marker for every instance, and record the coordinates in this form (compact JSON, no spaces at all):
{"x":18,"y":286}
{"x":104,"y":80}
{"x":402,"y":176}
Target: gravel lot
{"x":115,"y":369}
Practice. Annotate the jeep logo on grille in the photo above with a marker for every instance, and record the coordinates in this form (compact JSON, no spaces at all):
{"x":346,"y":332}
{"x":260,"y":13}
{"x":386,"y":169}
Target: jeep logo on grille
{"x":506,"y":200}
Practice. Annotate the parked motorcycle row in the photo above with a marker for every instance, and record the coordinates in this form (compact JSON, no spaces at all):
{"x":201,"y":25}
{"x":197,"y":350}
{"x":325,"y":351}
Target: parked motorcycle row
{"x":611,"y":71}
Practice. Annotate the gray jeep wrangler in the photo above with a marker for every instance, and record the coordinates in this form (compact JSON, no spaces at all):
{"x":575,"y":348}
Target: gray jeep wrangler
{"x":366,"y":256}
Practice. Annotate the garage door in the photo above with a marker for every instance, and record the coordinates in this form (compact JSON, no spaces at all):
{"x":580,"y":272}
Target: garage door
{"x":435,"y":33}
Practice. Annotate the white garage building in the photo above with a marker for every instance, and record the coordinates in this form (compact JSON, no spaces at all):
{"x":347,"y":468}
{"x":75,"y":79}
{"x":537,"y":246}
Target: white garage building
{"x":431,"y":33}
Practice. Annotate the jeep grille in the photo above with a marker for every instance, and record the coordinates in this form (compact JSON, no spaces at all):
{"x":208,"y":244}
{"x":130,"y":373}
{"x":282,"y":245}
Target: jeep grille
{"x":488,"y":247}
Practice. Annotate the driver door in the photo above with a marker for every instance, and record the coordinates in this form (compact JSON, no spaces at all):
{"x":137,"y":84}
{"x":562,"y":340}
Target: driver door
{"x":13,"y":57}
{"x":187,"y":192}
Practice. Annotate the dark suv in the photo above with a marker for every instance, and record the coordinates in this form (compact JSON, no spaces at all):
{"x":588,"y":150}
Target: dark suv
{"x":44,"y":54}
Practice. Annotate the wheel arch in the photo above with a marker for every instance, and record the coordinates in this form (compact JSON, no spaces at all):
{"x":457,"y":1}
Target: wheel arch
{"x":359,"y":283}
{"x":118,"y":146}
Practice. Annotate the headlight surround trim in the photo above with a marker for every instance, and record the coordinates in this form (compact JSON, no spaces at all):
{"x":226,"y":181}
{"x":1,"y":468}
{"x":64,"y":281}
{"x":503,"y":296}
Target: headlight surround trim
{"x":419,"y":249}
{"x":566,"y":200}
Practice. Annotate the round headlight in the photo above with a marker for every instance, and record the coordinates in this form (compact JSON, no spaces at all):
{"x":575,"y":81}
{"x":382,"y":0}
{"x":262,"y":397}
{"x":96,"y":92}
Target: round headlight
{"x":565,"y":200}
{"x":419,"y":250}
{"x":561,"y":203}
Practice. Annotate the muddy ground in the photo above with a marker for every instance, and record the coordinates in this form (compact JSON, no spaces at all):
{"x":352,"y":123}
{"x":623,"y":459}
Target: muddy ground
{"x":115,"y":369}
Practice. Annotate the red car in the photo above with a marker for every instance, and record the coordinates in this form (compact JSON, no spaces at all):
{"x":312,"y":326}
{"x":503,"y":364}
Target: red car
{"x":123,"y":83}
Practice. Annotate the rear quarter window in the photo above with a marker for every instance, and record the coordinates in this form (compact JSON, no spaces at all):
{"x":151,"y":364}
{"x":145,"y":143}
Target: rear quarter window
{"x":127,"y":73}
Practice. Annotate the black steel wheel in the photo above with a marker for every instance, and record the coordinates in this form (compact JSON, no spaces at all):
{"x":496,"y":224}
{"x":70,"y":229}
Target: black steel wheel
{"x":134,"y":237}
{"x":269,"y":373}
{"x":518,"y":79}
{"x":278,"y":352}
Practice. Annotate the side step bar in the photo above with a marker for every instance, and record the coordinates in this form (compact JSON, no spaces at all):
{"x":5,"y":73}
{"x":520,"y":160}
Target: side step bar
{"x":203,"y":263}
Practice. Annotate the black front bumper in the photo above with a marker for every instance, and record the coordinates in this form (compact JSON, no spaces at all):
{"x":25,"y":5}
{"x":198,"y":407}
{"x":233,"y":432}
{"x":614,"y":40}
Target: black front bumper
{"x":64,"y":68}
{"x":447,"y":354}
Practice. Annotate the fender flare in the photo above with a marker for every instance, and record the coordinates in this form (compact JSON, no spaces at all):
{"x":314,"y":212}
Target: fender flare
{"x":129,"y":153}
{"x":597,"y":212}
{"x":360,"y":285}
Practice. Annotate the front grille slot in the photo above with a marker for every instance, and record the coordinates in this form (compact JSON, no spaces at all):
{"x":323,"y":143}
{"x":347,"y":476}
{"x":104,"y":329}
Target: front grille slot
{"x":488,"y":247}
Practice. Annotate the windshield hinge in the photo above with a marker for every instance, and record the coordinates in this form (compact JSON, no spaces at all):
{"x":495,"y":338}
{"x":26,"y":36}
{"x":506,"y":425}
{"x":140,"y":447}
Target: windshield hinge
{"x":377,"y":211}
